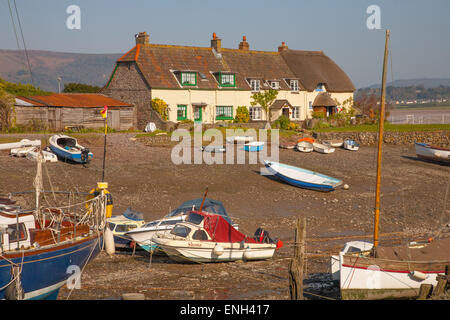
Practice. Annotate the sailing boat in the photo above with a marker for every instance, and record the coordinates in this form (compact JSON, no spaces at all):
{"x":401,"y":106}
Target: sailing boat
{"x":41,"y":249}
{"x":389,"y":272}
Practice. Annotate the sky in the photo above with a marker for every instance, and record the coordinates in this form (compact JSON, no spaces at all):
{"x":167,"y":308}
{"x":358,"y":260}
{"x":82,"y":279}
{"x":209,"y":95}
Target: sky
{"x":419,"y":41}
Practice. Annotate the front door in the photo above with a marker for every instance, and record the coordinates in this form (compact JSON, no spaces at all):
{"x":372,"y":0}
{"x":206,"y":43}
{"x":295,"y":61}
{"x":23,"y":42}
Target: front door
{"x":197,"y":114}
{"x":286,"y":112}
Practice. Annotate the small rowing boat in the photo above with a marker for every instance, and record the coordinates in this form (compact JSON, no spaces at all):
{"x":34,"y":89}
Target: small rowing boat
{"x":305,"y":146}
{"x":433,"y":153}
{"x":322,"y":148}
{"x":351,"y":145}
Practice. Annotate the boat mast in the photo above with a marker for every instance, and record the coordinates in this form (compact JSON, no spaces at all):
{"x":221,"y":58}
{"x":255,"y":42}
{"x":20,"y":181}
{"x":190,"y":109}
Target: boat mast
{"x":380,"y":142}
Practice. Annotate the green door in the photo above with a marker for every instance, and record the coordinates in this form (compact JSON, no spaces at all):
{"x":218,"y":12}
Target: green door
{"x":198,"y":114}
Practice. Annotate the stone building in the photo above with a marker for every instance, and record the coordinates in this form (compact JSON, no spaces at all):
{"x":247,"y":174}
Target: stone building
{"x":207,"y":84}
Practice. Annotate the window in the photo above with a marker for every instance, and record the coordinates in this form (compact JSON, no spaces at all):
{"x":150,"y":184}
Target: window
{"x":111,"y":226}
{"x":170,"y":222}
{"x":294,"y":85}
{"x":224,"y":112}
{"x":296,"y":113}
{"x":255,"y":113}
{"x":320,"y":87}
{"x":200,"y":235}
{"x":13,"y":234}
{"x":194,"y":218}
{"x":227,"y":79}
{"x":310,"y":105}
{"x":275,"y":85}
{"x":255,"y":85}
{"x":121,"y":228}
{"x":188,"y":78}
{"x":181,"y":112}
{"x":180,"y":231}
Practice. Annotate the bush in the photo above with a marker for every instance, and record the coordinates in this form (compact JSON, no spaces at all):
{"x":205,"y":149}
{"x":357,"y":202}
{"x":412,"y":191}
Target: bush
{"x":160,"y":106}
{"x":242,"y":115}
{"x":317,"y":115}
{"x":282,"y":122}
{"x":292,"y":126}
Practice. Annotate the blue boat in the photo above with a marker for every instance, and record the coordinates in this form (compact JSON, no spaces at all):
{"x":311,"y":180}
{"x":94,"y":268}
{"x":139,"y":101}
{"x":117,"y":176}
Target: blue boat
{"x":254,"y":146}
{"x":67,"y":149}
{"x":302,"y":178}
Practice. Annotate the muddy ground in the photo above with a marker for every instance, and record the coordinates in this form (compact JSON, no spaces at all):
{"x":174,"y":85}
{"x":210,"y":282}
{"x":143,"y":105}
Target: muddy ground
{"x":145,"y":179}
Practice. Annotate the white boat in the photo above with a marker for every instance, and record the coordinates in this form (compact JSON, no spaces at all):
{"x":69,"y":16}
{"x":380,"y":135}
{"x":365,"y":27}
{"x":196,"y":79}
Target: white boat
{"x":351,"y":145}
{"x":239,"y":139}
{"x":335,"y":143}
{"x":213,"y":149}
{"x":433,"y":153}
{"x":22,"y":143}
{"x":254,"y":146}
{"x":22,"y":151}
{"x":121,"y":224}
{"x":67,"y":148}
{"x":349,"y":247}
{"x":48,"y":156}
{"x":143,"y":235}
{"x":321,"y":148}
{"x":305,"y":146}
{"x":206,"y":237}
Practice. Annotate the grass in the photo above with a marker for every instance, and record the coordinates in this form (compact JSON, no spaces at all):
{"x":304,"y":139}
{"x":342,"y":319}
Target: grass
{"x":388,"y":127}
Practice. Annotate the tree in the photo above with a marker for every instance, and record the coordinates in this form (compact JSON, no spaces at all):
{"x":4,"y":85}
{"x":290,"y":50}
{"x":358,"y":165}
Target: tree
{"x":242,"y":115}
{"x":160,"y":106}
{"x":18,"y":89}
{"x":80,"y":88}
{"x":6,"y":108}
{"x":265,"y":100}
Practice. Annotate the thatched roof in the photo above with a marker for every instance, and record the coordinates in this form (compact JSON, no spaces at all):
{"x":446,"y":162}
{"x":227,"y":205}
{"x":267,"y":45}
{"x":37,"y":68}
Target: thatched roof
{"x":324,"y":99}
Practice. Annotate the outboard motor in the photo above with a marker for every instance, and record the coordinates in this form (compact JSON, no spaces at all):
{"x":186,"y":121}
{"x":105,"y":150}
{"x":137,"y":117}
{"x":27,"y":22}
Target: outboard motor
{"x":85,"y":155}
{"x":262,"y":236}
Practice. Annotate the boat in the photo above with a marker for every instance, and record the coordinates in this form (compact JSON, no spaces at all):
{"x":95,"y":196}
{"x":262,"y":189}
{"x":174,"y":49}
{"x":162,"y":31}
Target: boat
{"x":305,"y":146}
{"x":254,"y":146}
{"x":144,"y":234}
{"x":22,"y":151}
{"x":322,"y":148}
{"x":42,"y":248}
{"x":239,"y":139}
{"x":432,"y":153}
{"x":68,"y":149}
{"x":207,"y":237}
{"x":302,"y":178}
{"x":352,"y":246}
{"x":288,"y":145}
{"x":48,"y":156}
{"x":351,"y":145}
{"x":309,"y":139}
{"x":213,"y":149}
{"x":121,"y":224}
{"x":22,"y":143}
{"x":391,"y":271}
{"x":335,"y":143}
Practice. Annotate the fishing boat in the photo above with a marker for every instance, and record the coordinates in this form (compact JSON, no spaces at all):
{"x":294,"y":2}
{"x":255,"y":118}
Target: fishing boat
{"x":351,"y":145}
{"x":68,"y":149}
{"x":144,"y":234}
{"x":391,"y":271}
{"x":335,"y":143}
{"x":254,"y":146}
{"x":305,"y":146}
{"x":432,"y":153}
{"x":207,"y":237}
{"x":42,"y":248}
{"x":322,"y":148}
{"x":302,"y":178}
{"x":121,"y":224}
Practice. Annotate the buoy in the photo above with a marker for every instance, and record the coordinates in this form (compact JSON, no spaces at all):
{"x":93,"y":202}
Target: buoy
{"x":346,"y":186}
{"x":418,"y":275}
{"x":109,"y":242}
{"x":218,"y":250}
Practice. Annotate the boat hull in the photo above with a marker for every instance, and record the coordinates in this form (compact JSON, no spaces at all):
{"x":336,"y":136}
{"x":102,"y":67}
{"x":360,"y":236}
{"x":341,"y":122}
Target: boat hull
{"x":321,"y":148}
{"x":45,"y":271}
{"x":427,"y":152}
{"x":64,"y":155}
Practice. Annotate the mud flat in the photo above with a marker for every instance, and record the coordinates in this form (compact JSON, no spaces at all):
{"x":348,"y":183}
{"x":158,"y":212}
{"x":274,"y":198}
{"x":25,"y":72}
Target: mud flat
{"x":144,"y":178}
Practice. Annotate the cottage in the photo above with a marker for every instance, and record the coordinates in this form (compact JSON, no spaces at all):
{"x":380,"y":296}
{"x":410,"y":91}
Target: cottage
{"x":207,"y":84}
{"x":57,"y":111}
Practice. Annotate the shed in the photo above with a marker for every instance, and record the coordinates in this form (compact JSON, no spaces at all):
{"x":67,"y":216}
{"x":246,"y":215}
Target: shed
{"x":60,"y":110}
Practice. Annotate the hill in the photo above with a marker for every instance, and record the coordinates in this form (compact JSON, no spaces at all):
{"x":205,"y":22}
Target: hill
{"x":425,"y":82}
{"x":47,"y":66}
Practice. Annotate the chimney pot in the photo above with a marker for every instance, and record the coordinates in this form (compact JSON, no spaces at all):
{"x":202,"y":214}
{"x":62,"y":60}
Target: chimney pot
{"x":216,"y":43}
{"x":283,"y":47}
{"x":142,"y":38}
{"x":244,"y":44}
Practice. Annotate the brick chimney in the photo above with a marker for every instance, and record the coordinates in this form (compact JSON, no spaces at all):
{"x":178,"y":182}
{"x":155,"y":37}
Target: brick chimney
{"x":142,"y":38}
{"x":283,"y":47}
{"x":216,"y":43}
{"x":244,"y":44}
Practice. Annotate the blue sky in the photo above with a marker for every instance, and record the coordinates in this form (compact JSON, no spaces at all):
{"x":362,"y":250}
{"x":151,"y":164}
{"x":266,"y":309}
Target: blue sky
{"x":420,"y":30}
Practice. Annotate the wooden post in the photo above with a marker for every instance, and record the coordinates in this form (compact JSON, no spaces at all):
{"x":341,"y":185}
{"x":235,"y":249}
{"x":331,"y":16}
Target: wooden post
{"x":296,"y":266}
{"x":424,"y":291}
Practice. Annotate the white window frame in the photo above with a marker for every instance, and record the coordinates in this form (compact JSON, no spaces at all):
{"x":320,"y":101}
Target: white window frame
{"x":293,"y":83}
{"x":255,"y":84}
{"x":296,"y":113}
{"x":255,"y":113}
{"x":188,"y":78}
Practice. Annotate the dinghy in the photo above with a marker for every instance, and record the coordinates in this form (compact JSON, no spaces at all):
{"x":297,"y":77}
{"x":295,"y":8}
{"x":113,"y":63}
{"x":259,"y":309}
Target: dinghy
{"x":305,"y":146}
{"x":213,"y":149}
{"x":254,"y":146}
{"x":433,"y":153}
{"x":351,"y":145}
{"x":302,"y":178}
{"x":68,"y":149}
{"x":335,"y":143}
{"x":322,"y":148}
{"x":288,"y":145}
{"x":239,"y":139}
{"x":207,"y":237}
{"x":23,"y":151}
{"x":47,"y":156}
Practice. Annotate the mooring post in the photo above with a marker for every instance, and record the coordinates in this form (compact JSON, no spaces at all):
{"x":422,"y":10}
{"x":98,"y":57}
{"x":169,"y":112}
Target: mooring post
{"x":296,"y":266}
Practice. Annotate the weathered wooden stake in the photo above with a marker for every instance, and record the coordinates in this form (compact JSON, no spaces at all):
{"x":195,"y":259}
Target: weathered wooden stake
{"x":424,"y":291}
{"x":296,"y":266}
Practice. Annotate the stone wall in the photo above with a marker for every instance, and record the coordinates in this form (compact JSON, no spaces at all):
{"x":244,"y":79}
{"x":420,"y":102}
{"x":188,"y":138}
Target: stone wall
{"x":441,"y":137}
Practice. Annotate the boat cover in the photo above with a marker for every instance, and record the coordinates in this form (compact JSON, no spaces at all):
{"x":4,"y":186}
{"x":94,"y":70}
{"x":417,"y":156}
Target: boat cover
{"x":210,"y":205}
{"x":220,"y":230}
